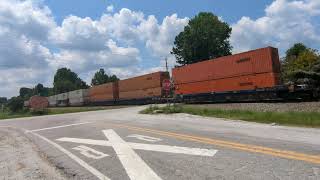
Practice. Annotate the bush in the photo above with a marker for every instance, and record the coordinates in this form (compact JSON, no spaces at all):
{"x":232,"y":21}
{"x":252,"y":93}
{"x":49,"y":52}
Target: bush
{"x":15,"y":104}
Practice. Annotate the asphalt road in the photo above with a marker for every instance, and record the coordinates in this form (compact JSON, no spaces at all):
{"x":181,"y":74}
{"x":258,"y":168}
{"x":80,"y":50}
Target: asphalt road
{"x":122,"y":144}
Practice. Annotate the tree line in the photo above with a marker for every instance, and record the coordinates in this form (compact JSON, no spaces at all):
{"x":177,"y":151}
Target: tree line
{"x":64,"y":80}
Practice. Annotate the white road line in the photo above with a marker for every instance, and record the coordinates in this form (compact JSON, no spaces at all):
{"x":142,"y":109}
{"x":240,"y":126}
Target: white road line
{"x":135,"y":167}
{"x":148,"y":147}
{"x":75,"y":158}
{"x":55,"y":127}
{"x":145,"y":138}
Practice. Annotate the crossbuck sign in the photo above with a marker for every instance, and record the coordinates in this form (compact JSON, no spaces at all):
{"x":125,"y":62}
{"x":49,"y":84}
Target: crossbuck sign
{"x":135,"y":167}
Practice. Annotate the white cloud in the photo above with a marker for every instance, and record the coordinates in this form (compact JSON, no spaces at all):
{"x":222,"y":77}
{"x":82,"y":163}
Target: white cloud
{"x":24,"y":28}
{"x":285,"y":23}
{"x":110,"y":8}
{"x":87,"y":44}
{"x":159,"y":38}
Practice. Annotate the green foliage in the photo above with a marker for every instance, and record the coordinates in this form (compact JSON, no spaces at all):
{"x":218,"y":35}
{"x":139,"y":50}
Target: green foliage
{"x":205,"y":37}
{"x":100,"y":77}
{"x":301,"y":64}
{"x":15,"y":104}
{"x":25,"y":93}
{"x":65,"y":80}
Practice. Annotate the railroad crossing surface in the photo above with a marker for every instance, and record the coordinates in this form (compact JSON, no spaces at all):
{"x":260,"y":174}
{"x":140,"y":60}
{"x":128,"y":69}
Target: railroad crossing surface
{"x":122,"y":144}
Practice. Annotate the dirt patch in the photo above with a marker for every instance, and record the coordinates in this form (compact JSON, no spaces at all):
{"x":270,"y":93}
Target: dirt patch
{"x":21,"y":160}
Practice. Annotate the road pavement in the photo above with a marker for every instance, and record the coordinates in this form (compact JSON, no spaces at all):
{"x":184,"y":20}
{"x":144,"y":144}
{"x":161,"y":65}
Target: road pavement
{"x":123,"y":144}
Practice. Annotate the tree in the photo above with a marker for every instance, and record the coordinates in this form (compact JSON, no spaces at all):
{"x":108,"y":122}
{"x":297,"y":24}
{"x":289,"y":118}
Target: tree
{"x":100,"y":77}
{"x":25,"y":93}
{"x":15,"y":104}
{"x":299,"y":59}
{"x":205,"y":37}
{"x":65,"y":80}
{"x":39,"y":90}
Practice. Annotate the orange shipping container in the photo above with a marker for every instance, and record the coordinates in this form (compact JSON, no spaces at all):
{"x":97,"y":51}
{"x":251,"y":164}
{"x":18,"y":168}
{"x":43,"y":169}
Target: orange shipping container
{"x":104,"y":92}
{"x":146,"y":81}
{"x":142,"y":93}
{"x":247,"y":82}
{"x":262,"y":60}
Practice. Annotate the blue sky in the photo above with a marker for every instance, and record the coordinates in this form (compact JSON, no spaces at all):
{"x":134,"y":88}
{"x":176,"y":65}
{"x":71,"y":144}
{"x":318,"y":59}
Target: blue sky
{"x":132,"y":37}
{"x":230,"y":10}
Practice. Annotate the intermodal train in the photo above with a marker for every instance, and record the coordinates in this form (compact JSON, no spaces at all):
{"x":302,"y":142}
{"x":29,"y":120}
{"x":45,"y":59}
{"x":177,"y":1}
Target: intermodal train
{"x":247,"y":76}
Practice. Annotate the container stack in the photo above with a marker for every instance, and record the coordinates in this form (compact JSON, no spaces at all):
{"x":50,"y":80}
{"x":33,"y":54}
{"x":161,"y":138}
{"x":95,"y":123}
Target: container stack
{"x":142,"y":87}
{"x":37,"y":103}
{"x":53,"y":100}
{"x":62,"y":99}
{"x":78,"y":97}
{"x":104,"y":94}
{"x":245,"y":71}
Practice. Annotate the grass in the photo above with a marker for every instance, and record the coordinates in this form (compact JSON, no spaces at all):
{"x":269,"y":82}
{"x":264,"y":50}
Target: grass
{"x":51,"y":111}
{"x":304,"y":119}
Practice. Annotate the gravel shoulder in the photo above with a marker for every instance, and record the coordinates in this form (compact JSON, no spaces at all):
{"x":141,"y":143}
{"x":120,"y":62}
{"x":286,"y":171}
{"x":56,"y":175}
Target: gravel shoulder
{"x":264,"y":107}
{"x":21,"y":160}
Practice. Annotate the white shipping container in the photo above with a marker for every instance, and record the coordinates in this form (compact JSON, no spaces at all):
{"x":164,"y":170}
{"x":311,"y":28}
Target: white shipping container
{"x":77,"y":101}
{"x":81,"y":93}
{"x":63,"y":96}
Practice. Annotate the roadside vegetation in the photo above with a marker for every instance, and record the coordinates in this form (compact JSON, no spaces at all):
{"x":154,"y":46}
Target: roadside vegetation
{"x":304,"y":119}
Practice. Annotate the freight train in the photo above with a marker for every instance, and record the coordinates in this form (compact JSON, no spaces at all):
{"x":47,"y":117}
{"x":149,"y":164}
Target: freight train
{"x":248,"y":76}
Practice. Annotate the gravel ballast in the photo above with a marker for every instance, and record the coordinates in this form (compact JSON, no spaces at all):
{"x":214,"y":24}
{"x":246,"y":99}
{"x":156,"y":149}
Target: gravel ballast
{"x":265,"y":107}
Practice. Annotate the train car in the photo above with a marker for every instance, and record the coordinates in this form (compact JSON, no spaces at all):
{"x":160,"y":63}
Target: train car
{"x":246,"y":76}
{"x":62,"y":99}
{"x":142,"y":89}
{"x":104,"y":94}
{"x":78,"y":97}
{"x":52,"y":100}
{"x":38,"y":103}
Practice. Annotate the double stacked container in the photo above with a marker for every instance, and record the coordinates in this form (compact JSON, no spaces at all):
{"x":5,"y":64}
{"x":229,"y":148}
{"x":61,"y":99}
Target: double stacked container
{"x":136,"y":88}
{"x":62,"y":99}
{"x":142,"y":87}
{"x":245,"y":71}
{"x":104,"y":93}
{"x":53,"y":100}
{"x":78,"y":97}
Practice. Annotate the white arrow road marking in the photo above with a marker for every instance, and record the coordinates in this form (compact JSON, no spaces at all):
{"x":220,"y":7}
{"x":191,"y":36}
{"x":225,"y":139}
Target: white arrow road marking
{"x":91,"y":169}
{"x":90,"y":153}
{"x":136,"y":168}
{"x":145,"y":138}
{"x":148,"y":147}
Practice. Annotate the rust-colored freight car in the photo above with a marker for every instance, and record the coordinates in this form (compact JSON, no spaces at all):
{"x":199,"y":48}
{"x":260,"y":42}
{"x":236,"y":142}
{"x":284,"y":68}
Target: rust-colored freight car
{"x":245,"y":71}
{"x":104,"y":93}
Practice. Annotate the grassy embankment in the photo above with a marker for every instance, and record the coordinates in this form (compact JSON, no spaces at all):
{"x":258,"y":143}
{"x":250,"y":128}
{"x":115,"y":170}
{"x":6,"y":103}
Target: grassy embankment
{"x":304,"y":119}
{"x":51,"y":111}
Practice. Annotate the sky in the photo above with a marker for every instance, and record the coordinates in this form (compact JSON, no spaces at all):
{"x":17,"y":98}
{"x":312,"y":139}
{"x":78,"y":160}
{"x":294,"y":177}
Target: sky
{"x":132,"y":37}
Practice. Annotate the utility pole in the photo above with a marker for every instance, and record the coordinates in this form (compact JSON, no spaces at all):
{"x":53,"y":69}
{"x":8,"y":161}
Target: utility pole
{"x":166,"y":59}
